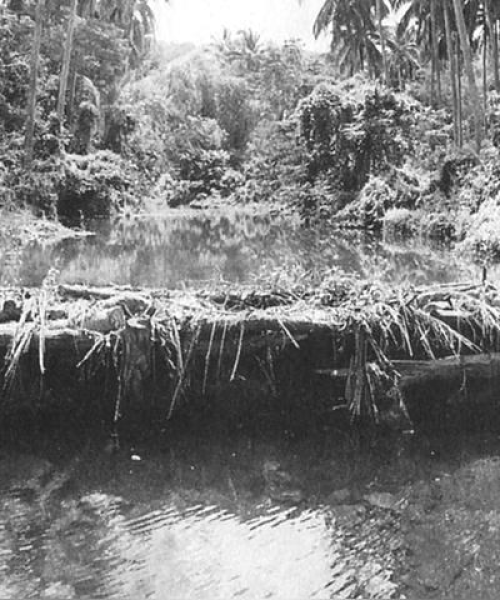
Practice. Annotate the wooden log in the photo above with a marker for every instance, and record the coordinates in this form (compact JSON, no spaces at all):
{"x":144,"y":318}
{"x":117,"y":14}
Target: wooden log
{"x":451,"y":372}
{"x":479,"y":367}
{"x":261,"y":332}
{"x":56,"y":340}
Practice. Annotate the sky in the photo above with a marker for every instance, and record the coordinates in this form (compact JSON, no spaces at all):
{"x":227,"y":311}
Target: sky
{"x":202,"y":21}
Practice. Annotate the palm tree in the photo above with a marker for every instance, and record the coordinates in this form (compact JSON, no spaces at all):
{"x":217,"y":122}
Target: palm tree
{"x":354,"y":33}
{"x":380,"y":18}
{"x":135,"y":17}
{"x":404,"y":52}
{"x":33,"y":87}
{"x":469,"y":69}
{"x":491,"y":21}
{"x":68,"y":47}
{"x":430,"y":34}
{"x":450,"y":47}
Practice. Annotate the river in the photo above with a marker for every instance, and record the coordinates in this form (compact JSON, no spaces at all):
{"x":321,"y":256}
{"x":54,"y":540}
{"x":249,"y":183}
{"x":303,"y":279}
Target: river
{"x":199,"y":248}
{"x":322,"y":514}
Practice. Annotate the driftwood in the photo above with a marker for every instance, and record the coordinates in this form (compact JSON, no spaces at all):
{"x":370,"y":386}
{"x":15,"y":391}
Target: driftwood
{"x":452,"y":371}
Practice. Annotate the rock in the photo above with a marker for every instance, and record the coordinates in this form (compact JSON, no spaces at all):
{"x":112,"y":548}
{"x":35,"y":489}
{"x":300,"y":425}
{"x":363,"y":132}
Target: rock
{"x":380,"y":588}
{"x":10,"y":312}
{"x":342,"y":496}
{"x":280,"y":485}
{"x":350,"y":513}
{"x":59,"y":591}
{"x":383,"y":500}
{"x":24,"y":473}
{"x":290,"y":496}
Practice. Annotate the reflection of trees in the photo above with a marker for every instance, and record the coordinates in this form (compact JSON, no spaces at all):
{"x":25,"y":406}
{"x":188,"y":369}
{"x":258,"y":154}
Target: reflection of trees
{"x":168,"y":251}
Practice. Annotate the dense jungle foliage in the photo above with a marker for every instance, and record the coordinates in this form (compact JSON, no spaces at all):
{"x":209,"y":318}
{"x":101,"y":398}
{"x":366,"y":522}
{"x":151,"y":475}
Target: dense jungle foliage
{"x":388,"y":129}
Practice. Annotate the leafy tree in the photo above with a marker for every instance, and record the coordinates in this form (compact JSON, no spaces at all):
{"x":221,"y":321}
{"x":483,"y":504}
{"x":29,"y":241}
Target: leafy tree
{"x":350,"y":138}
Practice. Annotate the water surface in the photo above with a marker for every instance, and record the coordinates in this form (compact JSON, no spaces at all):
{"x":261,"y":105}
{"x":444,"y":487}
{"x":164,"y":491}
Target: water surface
{"x":196,"y":248}
{"x":195,"y":518}
{"x":200,"y":517}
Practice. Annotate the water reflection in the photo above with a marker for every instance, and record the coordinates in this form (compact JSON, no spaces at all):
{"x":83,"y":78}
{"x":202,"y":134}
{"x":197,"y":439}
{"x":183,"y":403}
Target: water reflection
{"x":195,"y":247}
{"x":212,"y":553}
{"x":194,"y":519}
{"x":163,"y":528}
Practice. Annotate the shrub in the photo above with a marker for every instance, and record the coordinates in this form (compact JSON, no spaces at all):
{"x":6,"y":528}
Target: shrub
{"x":350,"y":138}
{"x":93,"y":185}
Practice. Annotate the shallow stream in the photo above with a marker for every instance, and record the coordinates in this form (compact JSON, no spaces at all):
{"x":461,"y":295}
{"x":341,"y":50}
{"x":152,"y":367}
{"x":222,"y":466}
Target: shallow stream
{"x":324,"y":515}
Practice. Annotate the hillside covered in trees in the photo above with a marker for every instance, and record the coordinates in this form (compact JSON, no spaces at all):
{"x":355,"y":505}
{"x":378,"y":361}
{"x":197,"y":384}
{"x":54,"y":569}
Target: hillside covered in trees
{"x":396,"y":127}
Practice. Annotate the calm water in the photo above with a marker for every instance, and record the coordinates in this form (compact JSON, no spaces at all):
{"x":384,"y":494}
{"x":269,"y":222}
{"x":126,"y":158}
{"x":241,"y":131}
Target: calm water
{"x":195,"y":248}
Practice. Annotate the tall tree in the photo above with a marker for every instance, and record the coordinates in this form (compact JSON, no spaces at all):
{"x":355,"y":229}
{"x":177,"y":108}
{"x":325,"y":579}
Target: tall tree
{"x":354,"y":33}
{"x":33,"y":87}
{"x":435,"y":49}
{"x":469,"y":69}
{"x":381,"y":34}
{"x":66,"y":62}
{"x":135,"y":17}
{"x":453,"y":67}
{"x":491,"y":23}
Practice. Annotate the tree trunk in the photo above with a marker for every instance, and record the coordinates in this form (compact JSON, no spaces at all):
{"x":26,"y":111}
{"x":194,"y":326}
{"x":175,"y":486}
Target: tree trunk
{"x":469,"y":69}
{"x":459,"y":90}
{"x":485,"y":75}
{"x":493,"y":42}
{"x":433,"y":78}
{"x":453,"y":69}
{"x":435,"y":49}
{"x":73,"y":76}
{"x":33,"y":88}
{"x":382,"y":41}
{"x":496,"y":65}
{"x":68,"y":47}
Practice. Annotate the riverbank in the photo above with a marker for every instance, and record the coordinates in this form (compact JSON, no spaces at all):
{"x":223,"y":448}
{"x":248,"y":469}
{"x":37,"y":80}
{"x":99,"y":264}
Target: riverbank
{"x":344,"y":351}
{"x":21,"y":227}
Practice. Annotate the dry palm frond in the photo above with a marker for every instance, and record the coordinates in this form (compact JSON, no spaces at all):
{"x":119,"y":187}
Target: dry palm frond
{"x":20,"y":342}
{"x":42,"y":308}
{"x":221,"y":349}
{"x":19,"y":347}
{"x":288,"y":334}
{"x":238,"y":351}
{"x":182,"y":374}
{"x":99,"y":343}
{"x":207,"y":356}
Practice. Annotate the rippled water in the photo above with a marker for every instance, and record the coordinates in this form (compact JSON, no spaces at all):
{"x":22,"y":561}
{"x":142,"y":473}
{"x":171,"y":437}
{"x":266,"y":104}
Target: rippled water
{"x":202,"y":518}
{"x":197,"y":518}
{"x":194,"y":521}
{"x":197,"y":247}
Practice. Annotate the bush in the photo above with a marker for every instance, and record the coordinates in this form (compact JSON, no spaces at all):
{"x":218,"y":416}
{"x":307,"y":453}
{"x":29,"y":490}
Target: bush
{"x":351,"y":138}
{"x":93,"y":185}
{"x":483,"y":236}
{"x":201,"y":173}
{"x":371,"y":205}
